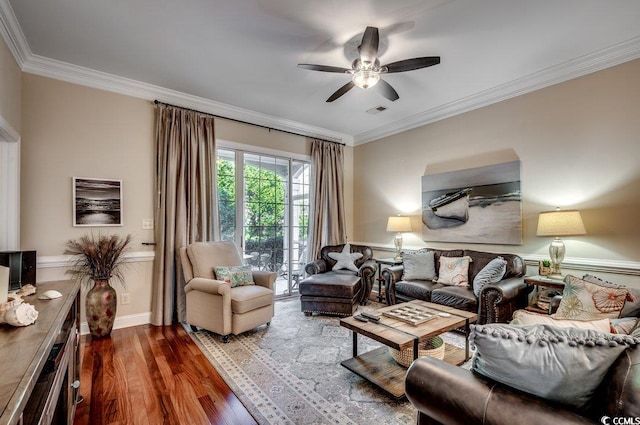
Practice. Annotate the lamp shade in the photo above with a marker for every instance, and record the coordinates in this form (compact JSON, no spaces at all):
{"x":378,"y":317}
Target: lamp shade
{"x":399,"y":224}
{"x":560,"y":223}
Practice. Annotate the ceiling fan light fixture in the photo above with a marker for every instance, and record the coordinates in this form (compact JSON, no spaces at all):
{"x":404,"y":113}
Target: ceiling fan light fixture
{"x":365,"y":78}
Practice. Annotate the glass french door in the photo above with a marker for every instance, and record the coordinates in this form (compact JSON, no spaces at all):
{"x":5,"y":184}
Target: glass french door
{"x":263,"y":203}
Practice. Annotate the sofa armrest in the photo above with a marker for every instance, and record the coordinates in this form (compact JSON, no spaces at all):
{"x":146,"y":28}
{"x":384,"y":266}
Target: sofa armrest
{"x":264,"y":278}
{"x":391,"y":275}
{"x":368,"y":268}
{"x":452,"y":395}
{"x":367,"y":272}
{"x":315,"y":267}
{"x":498,"y":301}
{"x":209,"y":286}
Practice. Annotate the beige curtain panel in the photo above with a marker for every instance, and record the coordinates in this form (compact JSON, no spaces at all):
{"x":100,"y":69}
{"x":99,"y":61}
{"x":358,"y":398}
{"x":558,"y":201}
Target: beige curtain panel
{"x":186,"y":209}
{"x":328,"y":218}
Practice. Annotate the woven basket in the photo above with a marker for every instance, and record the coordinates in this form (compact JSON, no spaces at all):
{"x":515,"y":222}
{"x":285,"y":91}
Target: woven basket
{"x":433,"y":347}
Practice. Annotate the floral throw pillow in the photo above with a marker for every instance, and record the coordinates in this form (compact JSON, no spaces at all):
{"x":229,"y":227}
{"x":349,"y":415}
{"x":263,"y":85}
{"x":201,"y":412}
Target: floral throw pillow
{"x":454,"y":271}
{"x":582,"y":300}
{"x":234,"y":275}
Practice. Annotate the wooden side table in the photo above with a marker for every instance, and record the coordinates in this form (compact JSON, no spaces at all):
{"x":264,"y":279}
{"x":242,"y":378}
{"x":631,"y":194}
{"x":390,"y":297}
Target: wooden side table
{"x":386,"y":262}
{"x":546,"y":282}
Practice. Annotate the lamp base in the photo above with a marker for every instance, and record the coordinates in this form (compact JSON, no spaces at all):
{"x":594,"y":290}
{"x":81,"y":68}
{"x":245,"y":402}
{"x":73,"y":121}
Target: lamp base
{"x":397,"y":241}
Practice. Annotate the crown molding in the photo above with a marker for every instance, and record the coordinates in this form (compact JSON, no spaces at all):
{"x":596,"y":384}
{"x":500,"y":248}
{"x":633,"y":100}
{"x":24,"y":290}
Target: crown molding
{"x":59,"y":70}
{"x":46,"y":67}
{"x":602,"y":59}
{"x":12,"y":33}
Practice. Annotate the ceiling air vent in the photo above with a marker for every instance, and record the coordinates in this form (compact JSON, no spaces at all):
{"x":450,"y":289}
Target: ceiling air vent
{"x":377,"y":110}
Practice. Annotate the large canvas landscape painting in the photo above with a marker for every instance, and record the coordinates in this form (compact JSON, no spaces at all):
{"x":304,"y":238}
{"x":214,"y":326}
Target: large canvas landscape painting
{"x":97,"y":202}
{"x":476,"y":205}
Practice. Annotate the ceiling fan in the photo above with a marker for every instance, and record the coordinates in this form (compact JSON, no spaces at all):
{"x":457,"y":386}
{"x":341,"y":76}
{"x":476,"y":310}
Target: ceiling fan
{"x":366,"y":69}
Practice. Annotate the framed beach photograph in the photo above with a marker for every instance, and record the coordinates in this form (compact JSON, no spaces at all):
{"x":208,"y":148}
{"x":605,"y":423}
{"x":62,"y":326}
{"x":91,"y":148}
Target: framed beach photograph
{"x":474,"y":205}
{"x":97,"y":202}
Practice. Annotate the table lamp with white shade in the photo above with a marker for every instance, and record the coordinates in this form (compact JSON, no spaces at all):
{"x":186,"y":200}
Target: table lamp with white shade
{"x":559,"y":223}
{"x":398,"y":224}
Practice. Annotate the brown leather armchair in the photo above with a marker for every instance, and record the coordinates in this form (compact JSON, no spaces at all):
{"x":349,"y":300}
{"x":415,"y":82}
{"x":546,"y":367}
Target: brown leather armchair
{"x":337,"y":291}
{"x":366,"y":266}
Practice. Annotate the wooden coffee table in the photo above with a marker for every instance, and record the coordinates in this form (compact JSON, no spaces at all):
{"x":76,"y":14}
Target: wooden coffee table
{"x":378,"y":367}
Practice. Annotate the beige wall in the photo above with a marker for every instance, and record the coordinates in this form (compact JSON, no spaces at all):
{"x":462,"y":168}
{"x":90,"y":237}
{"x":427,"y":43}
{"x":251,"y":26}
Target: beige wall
{"x":71,"y":130}
{"x":577,"y":141}
{"x":579,"y":147}
{"x":10,"y":88}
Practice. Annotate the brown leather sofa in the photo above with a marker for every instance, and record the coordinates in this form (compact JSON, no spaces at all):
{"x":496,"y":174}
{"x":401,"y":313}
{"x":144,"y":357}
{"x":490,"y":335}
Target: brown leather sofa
{"x":339,"y":291}
{"x":496,"y":303}
{"x":447,"y":394}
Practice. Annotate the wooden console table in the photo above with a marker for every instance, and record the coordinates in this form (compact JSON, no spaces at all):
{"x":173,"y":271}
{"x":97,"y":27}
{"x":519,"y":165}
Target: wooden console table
{"x":40,"y":362}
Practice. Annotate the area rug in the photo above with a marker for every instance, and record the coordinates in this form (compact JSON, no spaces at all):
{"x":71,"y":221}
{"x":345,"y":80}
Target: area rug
{"x":290,"y":372}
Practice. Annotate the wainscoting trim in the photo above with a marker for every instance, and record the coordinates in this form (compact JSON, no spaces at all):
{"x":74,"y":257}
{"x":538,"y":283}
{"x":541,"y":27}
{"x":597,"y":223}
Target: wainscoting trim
{"x":53,"y":261}
{"x":631,"y":268}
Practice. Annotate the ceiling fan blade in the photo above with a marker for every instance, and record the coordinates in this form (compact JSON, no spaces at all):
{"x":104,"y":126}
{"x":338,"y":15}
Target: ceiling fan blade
{"x":387,"y":91}
{"x":342,"y":90}
{"x":369,"y":46}
{"x":411,"y":64}
{"x":323,"y":68}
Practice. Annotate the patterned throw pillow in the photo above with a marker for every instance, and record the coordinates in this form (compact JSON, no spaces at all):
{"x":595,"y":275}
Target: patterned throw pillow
{"x":491,"y":273}
{"x":234,"y":275}
{"x":419,"y":265}
{"x":631,"y":307}
{"x":454,"y":271}
{"x":582,"y":300}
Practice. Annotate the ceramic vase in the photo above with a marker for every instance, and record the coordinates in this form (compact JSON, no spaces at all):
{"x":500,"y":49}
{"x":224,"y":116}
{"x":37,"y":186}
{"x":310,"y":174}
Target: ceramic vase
{"x":100,"y":308}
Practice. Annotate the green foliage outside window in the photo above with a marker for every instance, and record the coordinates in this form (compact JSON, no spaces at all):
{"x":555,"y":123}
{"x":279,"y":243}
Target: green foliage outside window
{"x":264,"y":201}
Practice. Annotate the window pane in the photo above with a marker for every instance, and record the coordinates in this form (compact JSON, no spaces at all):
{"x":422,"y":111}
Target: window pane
{"x":227,"y":194}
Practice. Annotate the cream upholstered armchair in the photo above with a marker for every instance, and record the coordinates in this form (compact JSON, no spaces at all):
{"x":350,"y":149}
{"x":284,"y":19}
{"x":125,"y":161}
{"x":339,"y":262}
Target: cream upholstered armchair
{"x":213,"y":304}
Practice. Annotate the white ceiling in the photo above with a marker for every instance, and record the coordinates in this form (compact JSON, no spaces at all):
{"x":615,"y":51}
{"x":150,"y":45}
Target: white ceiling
{"x":238,"y":58}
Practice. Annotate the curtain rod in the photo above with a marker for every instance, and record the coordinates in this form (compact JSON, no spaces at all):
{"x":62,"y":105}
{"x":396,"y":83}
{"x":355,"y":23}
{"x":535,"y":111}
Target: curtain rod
{"x":246,"y":122}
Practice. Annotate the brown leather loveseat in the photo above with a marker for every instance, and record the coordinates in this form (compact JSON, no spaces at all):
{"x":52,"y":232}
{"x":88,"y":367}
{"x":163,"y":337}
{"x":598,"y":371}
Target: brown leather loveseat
{"x":496,"y":302}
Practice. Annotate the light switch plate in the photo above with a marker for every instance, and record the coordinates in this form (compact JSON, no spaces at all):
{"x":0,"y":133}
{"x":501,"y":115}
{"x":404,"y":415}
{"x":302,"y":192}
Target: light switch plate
{"x":147,"y":224}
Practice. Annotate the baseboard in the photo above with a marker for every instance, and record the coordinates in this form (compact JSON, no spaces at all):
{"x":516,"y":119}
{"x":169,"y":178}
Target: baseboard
{"x":123,"y":322}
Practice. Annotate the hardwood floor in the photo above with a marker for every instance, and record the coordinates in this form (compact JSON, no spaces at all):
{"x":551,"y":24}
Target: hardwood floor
{"x":153,"y":375}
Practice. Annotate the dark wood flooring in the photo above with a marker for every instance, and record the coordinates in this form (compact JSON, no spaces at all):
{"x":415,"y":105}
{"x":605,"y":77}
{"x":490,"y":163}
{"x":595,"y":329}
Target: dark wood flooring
{"x":152,"y":375}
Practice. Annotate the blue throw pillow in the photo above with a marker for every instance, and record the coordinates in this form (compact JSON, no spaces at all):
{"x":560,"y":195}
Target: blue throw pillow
{"x":560,"y":364}
{"x":493,"y":272}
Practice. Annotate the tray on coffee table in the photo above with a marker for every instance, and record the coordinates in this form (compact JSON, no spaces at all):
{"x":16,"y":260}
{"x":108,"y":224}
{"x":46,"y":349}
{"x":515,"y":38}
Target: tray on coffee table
{"x":412,"y":314}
